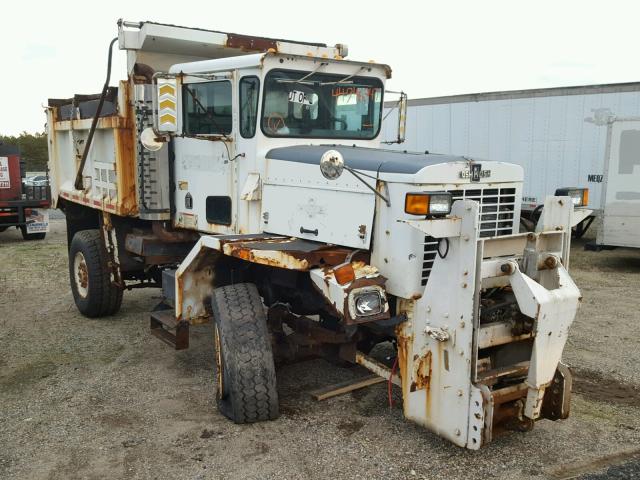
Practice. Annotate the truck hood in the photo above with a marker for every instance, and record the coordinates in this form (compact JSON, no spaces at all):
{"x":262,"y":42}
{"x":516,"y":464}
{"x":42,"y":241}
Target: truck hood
{"x":399,"y":166}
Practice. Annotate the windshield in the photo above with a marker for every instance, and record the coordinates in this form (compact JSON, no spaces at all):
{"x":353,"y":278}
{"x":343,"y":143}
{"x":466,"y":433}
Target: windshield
{"x":321,"y":105}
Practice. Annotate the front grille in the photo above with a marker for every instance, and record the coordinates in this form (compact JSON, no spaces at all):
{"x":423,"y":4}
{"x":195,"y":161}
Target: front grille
{"x":495,"y":217}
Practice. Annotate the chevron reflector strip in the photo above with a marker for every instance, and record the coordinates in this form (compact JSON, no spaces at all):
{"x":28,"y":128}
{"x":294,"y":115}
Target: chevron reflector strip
{"x":167,"y":105}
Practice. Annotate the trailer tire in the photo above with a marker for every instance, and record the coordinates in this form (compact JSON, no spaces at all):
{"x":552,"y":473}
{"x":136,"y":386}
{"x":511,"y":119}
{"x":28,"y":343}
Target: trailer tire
{"x":31,"y":236}
{"x":90,"y":277}
{"x":246,"y":377}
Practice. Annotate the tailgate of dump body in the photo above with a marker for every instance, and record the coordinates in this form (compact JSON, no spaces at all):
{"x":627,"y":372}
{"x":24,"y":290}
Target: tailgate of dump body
{"x":109,"y":173}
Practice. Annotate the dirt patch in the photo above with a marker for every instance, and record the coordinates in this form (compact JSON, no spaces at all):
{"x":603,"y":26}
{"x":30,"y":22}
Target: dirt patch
{"x":578,"y":469}
{"x":26,"y":376}
{"x":350,"y":427}
{"x":596,"y":386}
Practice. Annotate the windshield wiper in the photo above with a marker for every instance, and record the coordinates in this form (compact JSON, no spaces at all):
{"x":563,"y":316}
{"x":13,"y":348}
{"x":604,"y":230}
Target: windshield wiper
{"x":302,"y":80}
{"x":344,"y":80}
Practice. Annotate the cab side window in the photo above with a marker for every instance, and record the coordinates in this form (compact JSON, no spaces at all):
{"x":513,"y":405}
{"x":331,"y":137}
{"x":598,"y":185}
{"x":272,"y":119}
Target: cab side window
{"x":249,"y":93}
{"x":207,"y":108}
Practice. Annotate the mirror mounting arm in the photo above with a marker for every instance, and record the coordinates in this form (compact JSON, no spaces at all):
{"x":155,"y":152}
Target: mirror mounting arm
{"x":355,"y":174}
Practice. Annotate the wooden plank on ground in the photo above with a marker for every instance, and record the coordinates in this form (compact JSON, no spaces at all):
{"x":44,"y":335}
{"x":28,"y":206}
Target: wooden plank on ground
{"x":345,"y":387}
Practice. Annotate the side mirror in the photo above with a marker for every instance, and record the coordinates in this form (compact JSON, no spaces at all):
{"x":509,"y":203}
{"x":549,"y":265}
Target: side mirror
{"x":331,"y":164}
{"x":166,"y":104}
{"x":402,"y":117}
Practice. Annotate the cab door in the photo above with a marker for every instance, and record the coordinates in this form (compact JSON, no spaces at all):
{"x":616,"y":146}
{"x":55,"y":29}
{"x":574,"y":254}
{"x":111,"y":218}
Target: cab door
{"x":203,"y":167}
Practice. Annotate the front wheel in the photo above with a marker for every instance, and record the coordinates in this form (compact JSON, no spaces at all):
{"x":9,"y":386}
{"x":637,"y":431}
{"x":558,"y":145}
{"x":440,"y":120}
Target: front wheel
{"x":90,"y":276}
{"x":246,"y":377}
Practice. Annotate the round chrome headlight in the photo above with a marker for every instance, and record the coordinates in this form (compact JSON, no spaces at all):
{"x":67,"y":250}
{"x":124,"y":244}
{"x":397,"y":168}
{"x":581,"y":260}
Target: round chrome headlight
{"x":331,"y":164}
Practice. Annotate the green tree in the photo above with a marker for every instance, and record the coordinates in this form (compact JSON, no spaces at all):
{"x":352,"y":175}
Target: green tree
{"x":33,"y":149}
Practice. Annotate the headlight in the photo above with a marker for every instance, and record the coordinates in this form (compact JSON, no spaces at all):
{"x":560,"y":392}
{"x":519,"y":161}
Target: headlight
{"x":367,"y":301}
{"x":579,"y":196}
{"x":432,"y":203}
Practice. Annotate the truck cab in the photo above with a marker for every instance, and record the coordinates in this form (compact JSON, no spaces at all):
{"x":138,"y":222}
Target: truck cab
{"x":232,"y":112}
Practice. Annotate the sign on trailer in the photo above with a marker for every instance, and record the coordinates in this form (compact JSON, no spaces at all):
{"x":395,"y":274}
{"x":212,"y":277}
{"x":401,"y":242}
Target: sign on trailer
{"x":5,"y":178}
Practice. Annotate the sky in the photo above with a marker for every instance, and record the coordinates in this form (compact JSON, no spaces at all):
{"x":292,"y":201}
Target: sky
{"x":56,"y":49}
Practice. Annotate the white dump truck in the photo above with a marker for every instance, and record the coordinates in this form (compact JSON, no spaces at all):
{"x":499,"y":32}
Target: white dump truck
{"x":244,"y":176}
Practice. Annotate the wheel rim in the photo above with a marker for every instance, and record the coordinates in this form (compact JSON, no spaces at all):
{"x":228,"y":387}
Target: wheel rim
{"x":81,"y":274}
{"x":219,"y":366}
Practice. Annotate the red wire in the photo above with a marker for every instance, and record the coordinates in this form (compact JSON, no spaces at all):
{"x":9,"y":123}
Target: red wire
{"x":389,"y":383}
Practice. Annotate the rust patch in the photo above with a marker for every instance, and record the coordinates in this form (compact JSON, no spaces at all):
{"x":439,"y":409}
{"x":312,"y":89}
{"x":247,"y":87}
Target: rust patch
{"x":124,"y":140}
{"x":272,"y":258}
{"x":422,"y":372}
{"x":405,"y":347}
{"x":250,"y":44}
{"x":289,"y":253}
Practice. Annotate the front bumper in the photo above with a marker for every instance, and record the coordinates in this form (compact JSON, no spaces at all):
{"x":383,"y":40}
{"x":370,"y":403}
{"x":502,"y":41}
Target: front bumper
{"x":467,"y":379}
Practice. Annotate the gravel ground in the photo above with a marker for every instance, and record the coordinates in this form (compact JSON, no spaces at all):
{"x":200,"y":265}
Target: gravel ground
{"x":104,"y":399}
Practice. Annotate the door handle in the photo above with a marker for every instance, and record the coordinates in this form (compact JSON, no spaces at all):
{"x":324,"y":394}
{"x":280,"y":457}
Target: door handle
{"x":306,"y":230}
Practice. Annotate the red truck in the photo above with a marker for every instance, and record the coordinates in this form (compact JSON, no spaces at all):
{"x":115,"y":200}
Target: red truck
{"x":22,"y":206}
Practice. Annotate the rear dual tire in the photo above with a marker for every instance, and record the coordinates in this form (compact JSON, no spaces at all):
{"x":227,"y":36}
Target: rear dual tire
{"x":90,"y":276}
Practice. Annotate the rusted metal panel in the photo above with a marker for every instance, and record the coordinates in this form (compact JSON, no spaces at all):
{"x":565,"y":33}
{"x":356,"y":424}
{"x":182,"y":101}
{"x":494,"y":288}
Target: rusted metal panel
{"x":421,"y":372}
{"x":248,"y":43}
{"x":283,"y":252}
{"x":125,"y":141}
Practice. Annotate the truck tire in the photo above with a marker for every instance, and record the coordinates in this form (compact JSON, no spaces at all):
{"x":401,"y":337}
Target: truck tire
{"x":31,"y":236}
{"x":246,"y":376}
{"x":89,"y":274}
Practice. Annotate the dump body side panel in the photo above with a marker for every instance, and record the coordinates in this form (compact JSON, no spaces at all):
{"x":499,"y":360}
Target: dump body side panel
{"x":109,"y":175}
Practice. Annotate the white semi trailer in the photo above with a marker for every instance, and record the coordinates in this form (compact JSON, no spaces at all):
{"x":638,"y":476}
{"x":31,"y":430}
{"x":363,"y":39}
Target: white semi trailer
{"x":620,"y":201}
{"x":558,"y":135}
{"x":244,"y":176}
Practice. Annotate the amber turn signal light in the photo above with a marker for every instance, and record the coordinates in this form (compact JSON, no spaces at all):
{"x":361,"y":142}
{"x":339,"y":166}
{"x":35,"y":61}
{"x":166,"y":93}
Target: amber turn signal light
{"x":344,"y":273}
{"x":432,"y":203}
{"x":579,"y":196}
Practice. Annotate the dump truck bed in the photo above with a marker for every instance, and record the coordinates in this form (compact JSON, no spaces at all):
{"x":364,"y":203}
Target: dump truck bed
{"x":109,"y":174}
